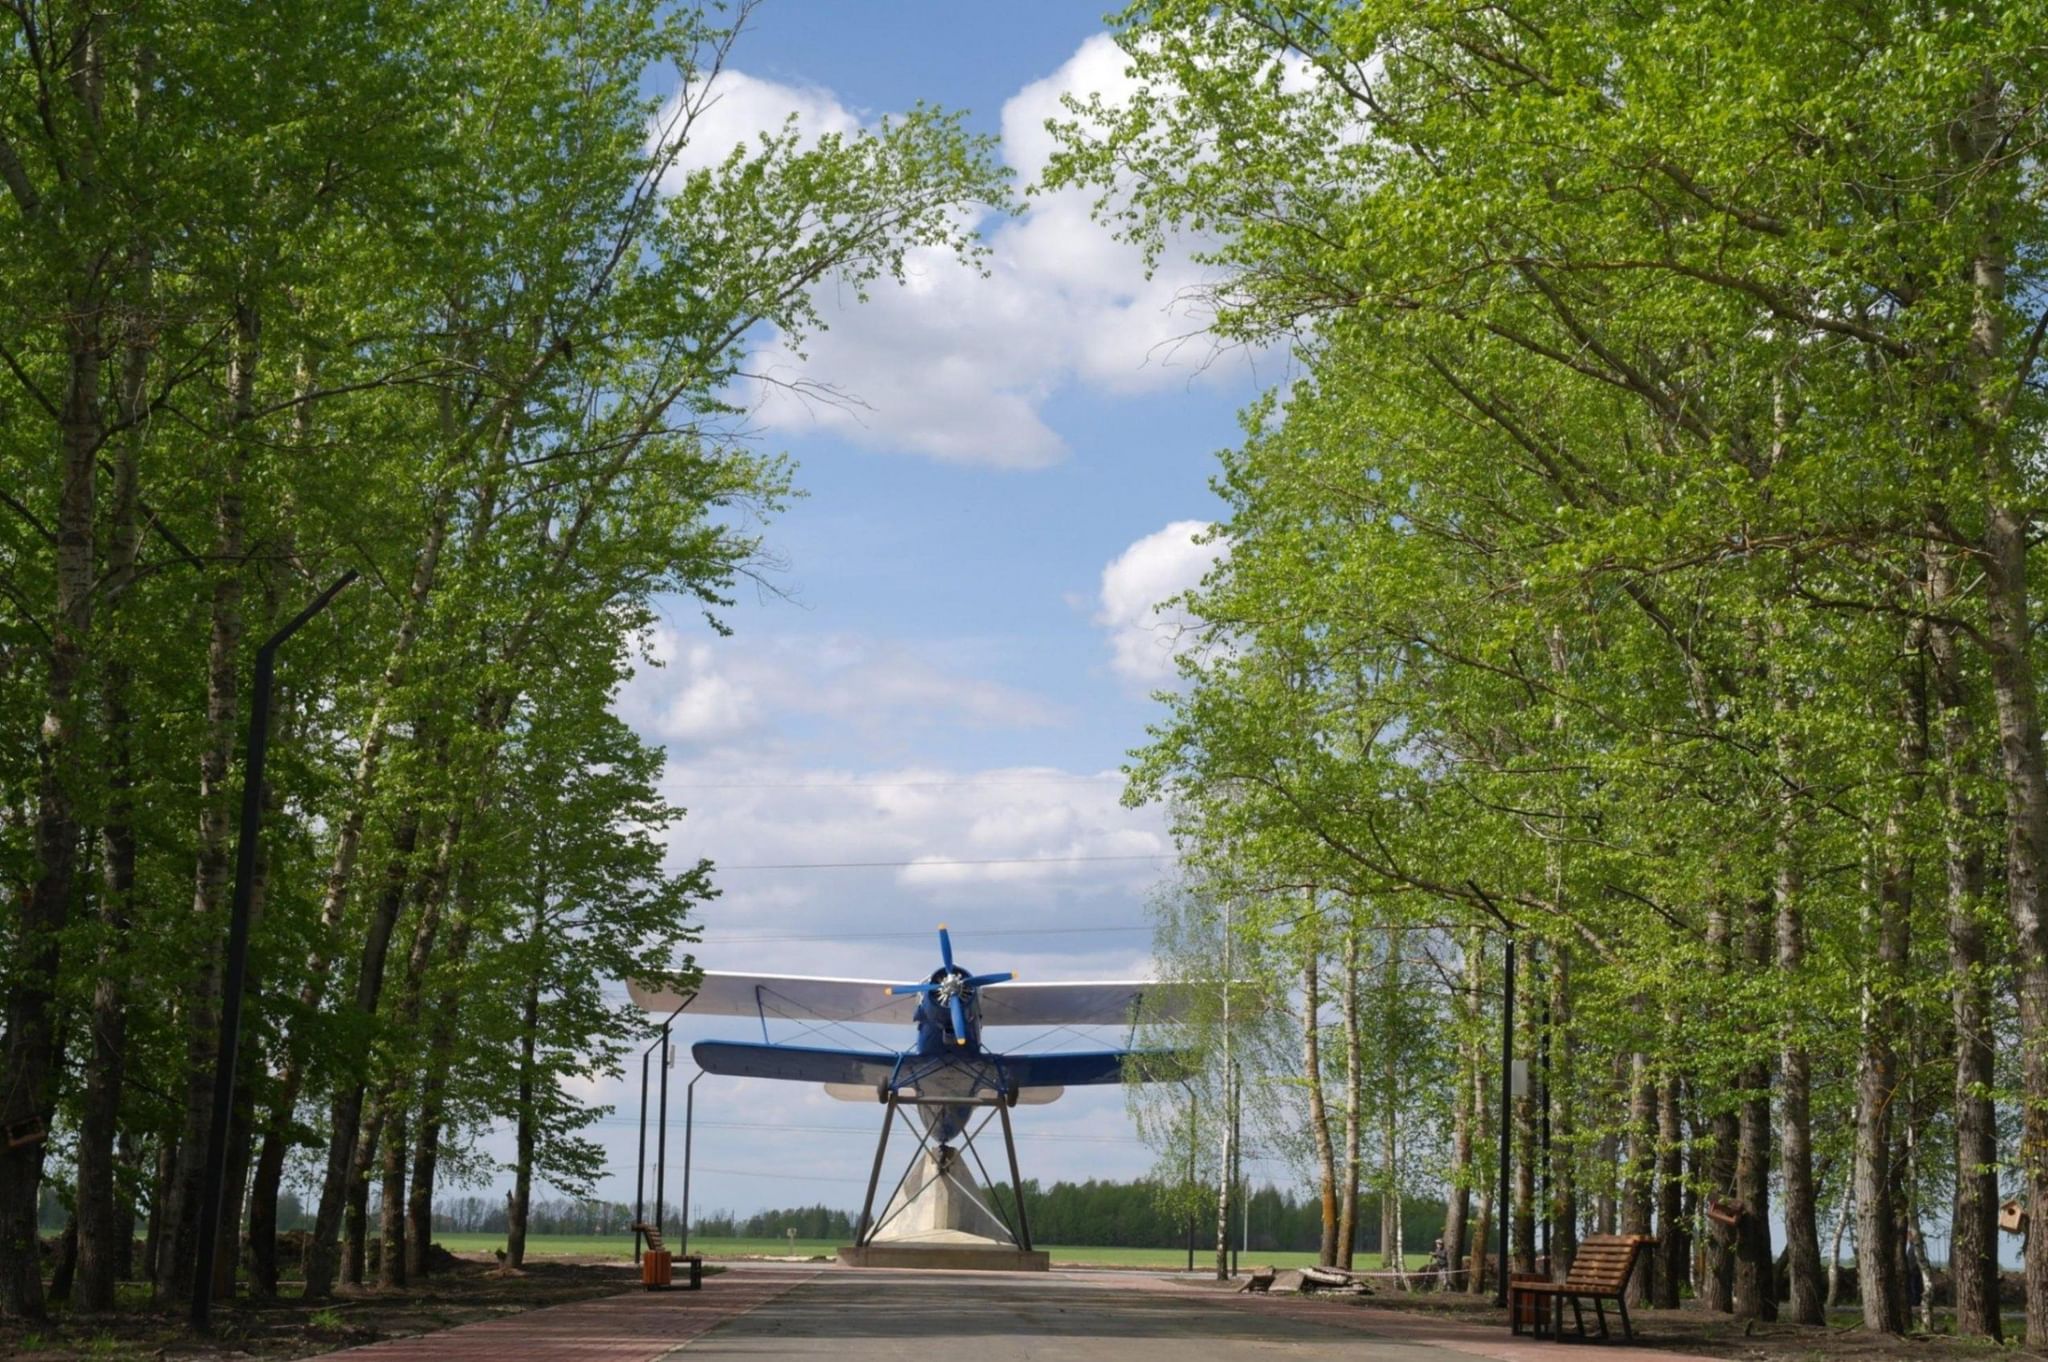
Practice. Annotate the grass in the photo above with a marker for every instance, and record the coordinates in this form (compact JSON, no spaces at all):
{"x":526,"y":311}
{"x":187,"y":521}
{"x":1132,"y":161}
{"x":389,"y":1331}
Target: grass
{"x":620,"y":1246}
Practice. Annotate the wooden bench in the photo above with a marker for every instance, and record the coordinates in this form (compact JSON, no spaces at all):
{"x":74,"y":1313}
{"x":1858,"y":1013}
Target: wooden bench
{"x":1600,"y":1271}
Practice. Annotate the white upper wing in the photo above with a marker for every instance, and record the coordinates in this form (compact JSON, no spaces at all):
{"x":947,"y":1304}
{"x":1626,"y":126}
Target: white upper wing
{"x":797,"y":997}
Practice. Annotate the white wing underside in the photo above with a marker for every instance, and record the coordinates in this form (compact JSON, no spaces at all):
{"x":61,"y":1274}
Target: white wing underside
{"x":804,"y":998}
{"x":861,"y":1092}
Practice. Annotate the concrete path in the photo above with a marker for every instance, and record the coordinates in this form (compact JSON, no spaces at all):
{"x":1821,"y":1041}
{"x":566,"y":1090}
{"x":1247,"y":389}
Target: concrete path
{"x":638,"y":1327}
{"x":836,"y":1314}
{"x":853,"y":1316}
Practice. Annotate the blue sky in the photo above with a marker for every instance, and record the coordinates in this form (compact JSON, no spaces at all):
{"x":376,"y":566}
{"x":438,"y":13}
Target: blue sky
{"x":962,"y":647}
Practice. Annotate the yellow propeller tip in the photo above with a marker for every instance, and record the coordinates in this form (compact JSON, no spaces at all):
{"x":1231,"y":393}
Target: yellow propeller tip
{"x":942,"y":926}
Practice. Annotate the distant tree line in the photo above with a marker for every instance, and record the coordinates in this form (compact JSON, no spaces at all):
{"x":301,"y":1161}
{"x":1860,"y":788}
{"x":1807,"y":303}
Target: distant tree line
{"x":810,"y":1222}
{"x":1144,"y":1214}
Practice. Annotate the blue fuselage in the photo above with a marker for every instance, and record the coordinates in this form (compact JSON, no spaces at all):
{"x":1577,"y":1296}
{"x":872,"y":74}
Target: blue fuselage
{"x":936,"y":1040}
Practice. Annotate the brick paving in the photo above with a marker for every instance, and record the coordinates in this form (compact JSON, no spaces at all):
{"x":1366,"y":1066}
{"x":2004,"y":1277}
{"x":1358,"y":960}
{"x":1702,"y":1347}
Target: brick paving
{"x":1035,"y":1312}
{"x":639,"y":1326}
{"x":1413,"y":1328}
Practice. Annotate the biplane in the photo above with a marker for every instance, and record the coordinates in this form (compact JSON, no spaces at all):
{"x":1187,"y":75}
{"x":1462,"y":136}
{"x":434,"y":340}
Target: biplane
{"x":948,"y":1075}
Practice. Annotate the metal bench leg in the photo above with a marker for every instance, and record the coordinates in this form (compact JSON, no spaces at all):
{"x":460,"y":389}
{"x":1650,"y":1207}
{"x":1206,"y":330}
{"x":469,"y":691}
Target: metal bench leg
{"x":1578,"y":1317}
{"x":1601,"y":1311}
{"x":1621,"y":1304}
{"x":1514,"y":1312}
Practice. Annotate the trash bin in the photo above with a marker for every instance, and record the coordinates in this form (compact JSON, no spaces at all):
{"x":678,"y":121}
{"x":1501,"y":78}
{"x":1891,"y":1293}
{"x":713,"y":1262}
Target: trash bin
{"x":656,"y":1270}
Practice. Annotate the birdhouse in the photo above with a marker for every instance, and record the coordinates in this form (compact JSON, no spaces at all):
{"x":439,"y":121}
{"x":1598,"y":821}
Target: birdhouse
{"x":2012,"y":1218}
{"x":26,"y":1131}
{"x":1727,"y":1214}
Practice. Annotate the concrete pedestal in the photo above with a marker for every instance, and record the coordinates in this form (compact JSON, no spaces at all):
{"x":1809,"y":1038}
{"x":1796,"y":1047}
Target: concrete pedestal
{"x":939,"y":1218}
{"x":957,"y":1257}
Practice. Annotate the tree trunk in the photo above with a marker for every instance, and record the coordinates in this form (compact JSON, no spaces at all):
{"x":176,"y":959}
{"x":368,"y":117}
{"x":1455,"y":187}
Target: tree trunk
{"x":1638,"y":1192}
{"x":1561,"y":1089}
{"x":522,"y":1169}
{"x":2008,"y":512}
{"x":277,"y":1129}
{"x":1606,"y":1209}
{"x":1973,"y":1224}
{"x":346,"y":1118}
{"x":1318,"y":1113}
{"x":210,"y":873}
{"x":1465,"y":1113}
{"x":101,"y":1249}
{"x":391,"y":1253}
{"x":433,"y":1093}
{"x":1842,"y":1220}
{"x":1878,"y":1270}
{"x":356,"y":1198}
{"x":1522,"y":1213}
{"x":1347,"y":1224}
{"x":65,"y":1266}
{"x":28,"y":1073}
{"x":159,"y":1193}
{"x":1717,"y":1282}
{"x":1754,"y":1289}
{"x":1795,"y":1142}
{"x":1671,"y":1227}
{"x":1484,"y":1135}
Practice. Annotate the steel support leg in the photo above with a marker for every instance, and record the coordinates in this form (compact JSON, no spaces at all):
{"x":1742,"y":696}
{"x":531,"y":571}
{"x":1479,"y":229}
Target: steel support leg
{"x":1016,"y":1180}
{"x":867,"y":1207}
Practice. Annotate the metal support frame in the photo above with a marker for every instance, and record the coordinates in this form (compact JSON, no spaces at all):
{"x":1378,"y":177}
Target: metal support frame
{"x":867,"y":1227}
{"x":213,"y":1190}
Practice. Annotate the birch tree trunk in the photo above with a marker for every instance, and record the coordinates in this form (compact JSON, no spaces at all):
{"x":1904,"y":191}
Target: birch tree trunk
{"x":1347,"y":1225}
{"x":1465,"y":1113}
{"x":1312,"y":1075}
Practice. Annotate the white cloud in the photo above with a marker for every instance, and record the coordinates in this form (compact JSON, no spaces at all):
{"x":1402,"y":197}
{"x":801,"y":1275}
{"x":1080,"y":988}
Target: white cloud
{"x":737,"y":108}
{"x":1144,"y":638}
{"x":958,"y":364}
{"x":732,"y":693}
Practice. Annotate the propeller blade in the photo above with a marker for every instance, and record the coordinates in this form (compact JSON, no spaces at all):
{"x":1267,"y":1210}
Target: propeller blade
{"x":899,"y":990}
{"x":959,"y":1022}
{"x":945,"y":946}
{"x":978,"y":980}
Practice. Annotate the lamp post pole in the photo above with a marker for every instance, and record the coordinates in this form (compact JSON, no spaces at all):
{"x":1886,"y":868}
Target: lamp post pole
{"x":1191,"y":1174}
{"x":661,"y":1131}
{"x":689,"y":1126}
{"x":213,"y":1189}
{"x":1507,"y":1098}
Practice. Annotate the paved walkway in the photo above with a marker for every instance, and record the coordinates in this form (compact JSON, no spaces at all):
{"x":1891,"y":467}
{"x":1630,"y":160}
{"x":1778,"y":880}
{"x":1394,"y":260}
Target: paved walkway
{"x":847,"y":1315}
{"x":638,"y":1327}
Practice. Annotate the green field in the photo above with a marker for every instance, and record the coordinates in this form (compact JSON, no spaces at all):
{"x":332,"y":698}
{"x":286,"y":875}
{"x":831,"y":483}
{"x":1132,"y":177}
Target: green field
{"x":621,"y":1246}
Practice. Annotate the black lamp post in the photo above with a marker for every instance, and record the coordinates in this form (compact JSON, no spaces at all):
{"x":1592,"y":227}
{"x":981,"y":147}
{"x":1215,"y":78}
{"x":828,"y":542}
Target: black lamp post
{"x":212,"y":1189}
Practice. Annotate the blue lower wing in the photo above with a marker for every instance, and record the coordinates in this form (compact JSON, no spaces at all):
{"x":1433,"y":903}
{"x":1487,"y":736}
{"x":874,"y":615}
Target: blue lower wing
{"x":1074,"y":1069}
{"x":799,"y":1063}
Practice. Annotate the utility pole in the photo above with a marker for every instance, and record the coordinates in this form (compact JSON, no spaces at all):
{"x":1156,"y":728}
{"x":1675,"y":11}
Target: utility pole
{"x":213,"y":1189}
